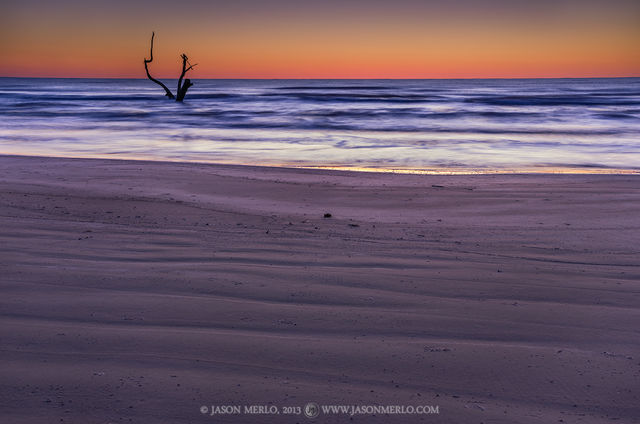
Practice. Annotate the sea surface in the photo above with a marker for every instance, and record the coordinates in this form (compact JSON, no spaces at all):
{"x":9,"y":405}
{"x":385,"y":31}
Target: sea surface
{"x":533,"y":125}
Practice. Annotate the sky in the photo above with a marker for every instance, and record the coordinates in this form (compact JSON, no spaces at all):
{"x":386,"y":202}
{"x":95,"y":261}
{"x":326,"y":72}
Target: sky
{"x":322,"y":39}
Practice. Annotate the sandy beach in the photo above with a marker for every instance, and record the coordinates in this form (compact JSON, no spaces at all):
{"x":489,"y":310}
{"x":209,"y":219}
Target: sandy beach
{"x":142,"y":291}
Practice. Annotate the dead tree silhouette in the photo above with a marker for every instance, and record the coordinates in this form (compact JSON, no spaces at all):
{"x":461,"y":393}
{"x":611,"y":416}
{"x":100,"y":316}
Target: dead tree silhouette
{"x":183,"y":84}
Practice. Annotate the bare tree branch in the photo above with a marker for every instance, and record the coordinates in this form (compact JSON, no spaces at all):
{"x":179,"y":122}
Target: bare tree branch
{"x":183,"y":87}
{"x":168,"y":92}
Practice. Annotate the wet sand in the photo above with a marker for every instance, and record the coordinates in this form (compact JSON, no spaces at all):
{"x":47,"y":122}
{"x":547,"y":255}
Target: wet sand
{"x":141,"y":291}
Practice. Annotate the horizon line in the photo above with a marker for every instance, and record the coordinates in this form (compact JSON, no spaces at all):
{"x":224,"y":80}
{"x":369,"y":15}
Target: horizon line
{"x":329,"y":79}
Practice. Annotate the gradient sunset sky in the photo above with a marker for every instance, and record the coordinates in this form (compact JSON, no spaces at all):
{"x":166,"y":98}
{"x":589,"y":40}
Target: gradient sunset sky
{"x":322,"y":39}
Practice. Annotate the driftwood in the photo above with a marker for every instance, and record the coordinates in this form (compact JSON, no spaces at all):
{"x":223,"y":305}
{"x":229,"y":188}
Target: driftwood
{"x":183,"y":84}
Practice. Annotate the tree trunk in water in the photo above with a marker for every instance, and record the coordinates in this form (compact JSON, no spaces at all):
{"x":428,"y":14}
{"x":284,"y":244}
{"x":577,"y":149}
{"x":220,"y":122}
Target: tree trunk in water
{"x":183,"y":90}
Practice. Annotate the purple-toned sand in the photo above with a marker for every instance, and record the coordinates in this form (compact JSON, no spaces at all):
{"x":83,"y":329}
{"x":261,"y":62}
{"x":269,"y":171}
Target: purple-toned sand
{"x":140,"y":292}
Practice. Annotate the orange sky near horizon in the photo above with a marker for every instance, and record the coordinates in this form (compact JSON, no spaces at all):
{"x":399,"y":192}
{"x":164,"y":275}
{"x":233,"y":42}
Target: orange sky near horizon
{"x":369,"y":39}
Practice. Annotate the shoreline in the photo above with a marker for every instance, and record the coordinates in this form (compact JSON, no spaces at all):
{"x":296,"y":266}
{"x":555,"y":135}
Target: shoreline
{"x":143,"y":290}
{"x":530,"y":170}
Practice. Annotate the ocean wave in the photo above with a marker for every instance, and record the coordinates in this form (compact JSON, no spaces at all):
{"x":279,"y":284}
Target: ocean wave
{"x":618,"y":115}
{"x":355,"y":97}
{"x":334,"y":87}
{"x":553,"y":100}
{"x":83,"y":97}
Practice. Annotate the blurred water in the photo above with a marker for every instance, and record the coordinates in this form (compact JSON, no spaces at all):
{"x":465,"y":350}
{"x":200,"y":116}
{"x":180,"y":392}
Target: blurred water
{"x":482,"y":125}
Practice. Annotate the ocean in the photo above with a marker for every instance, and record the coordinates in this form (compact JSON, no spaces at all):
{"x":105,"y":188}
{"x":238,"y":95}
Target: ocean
{"x":449,"y":126}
